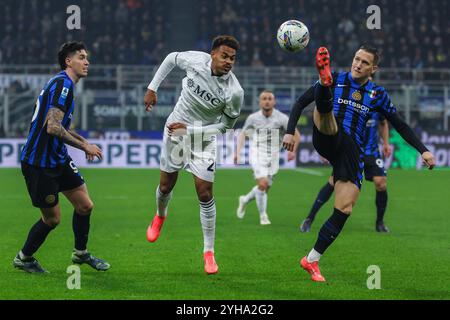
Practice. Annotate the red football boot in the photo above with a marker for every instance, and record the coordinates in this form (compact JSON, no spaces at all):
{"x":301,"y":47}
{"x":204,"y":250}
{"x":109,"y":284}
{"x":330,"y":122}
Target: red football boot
{"x":323,"y":66}
{"x":155,"y":228}
{"x":211,"y":266}
{"x":313,"y":269}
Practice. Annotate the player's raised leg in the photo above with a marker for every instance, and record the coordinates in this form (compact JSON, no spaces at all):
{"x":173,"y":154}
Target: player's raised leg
{"x":346,"y":194}
{"x":208,"y":220}
{"x":380,"y":202}
{"x":83,"y":206}
{"x":323,"y":116}
{"x":244,"y":200}
{"x":167,"y":182}
{"x":38,"y":233}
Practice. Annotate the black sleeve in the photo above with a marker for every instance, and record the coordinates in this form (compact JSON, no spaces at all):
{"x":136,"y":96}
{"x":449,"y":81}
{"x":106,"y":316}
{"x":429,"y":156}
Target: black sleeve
{"x":297,"y":109}
{"x":406,"y":132}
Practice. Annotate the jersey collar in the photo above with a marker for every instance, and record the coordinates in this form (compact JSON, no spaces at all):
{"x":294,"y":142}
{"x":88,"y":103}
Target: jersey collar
{"x":223,"y":77}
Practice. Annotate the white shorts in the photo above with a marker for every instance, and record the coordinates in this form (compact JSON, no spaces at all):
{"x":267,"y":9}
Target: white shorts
{"x":263,"y":166}
{"x":185,"y":152}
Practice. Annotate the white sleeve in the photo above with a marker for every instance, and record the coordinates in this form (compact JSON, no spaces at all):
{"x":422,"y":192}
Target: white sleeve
{"x":233,"y":109}
{"x":164,"y":69}
{"x":225,"y":124}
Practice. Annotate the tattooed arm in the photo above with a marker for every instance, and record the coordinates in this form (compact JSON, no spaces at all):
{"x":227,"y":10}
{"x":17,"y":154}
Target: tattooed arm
{"x":55,"y":128}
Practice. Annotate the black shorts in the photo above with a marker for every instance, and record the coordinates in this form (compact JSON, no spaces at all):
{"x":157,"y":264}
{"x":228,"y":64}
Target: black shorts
{"x":373,"y":167}
{"x":44,"y":184}
{"x":344,"y":155}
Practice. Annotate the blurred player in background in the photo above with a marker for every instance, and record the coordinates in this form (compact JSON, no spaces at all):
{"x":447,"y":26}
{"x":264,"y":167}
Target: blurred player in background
{"x":374,"y":171}
{"x":265,"y":129}
{"x":48,"y":168}
{"x":210,"y":103}
{"x":344,"y":104}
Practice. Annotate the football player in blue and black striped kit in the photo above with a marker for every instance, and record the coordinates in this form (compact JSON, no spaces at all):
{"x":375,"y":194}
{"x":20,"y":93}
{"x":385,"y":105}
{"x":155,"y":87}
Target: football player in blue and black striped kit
{"x":344,"y":103}
{"x":48,"y":168}
{"x":374,"y":171}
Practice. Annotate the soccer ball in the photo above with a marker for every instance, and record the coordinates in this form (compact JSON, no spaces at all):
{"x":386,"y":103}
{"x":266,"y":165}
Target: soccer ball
{"x":293,"y":36}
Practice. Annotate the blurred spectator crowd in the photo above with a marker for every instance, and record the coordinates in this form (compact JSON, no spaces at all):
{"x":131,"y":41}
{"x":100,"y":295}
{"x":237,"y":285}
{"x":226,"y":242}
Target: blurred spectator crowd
{"x":413,"y":34}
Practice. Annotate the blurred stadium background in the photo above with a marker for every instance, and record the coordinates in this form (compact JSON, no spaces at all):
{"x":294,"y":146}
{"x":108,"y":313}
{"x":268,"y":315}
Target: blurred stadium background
{"x":127,"y":40}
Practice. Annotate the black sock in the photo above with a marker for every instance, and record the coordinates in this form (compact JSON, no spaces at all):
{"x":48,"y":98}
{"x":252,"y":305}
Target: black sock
{"x":381,"y":202}
{"x":322,"y":197}
{"x":80,"y":225}
{"x":36,"y":237}
{"x":330,"y":230}
{"x":323,"y":98}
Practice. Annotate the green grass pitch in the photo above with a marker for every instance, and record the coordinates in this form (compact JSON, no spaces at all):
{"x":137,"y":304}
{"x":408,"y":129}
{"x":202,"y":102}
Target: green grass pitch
{"x":256,"y":262}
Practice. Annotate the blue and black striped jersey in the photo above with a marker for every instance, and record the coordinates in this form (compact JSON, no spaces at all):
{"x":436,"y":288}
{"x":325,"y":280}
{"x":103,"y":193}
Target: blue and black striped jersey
{"x":353,"y":105}
{"x":42,"y":149}
{"x":371,"y":147}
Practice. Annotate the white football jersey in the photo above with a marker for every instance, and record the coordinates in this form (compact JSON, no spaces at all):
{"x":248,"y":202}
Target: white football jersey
{"x":205,"y":97}
{"x":266,"y":133}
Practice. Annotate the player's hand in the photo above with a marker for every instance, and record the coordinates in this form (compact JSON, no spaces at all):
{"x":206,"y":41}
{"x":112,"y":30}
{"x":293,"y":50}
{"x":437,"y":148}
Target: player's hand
{"x":150,"y":99}
{"x":428,"y":159}
{"x":387,"y":150}
{"x":288,"y":142}
{"x":236,"y":159}
{"x":290,"y":155}
{"x":177,"y":129}
{"x":92,"y":151}
{"x":325,"y":161}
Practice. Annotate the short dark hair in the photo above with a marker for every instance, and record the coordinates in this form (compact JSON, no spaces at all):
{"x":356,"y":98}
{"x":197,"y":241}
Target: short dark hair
{"x":68,"y":49}
{"x":225,"y":40}
{"x":370,"y":49}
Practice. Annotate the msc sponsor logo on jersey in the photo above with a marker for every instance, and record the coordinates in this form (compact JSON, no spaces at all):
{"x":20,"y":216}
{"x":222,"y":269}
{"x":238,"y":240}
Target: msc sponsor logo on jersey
{"x":202,"y":93}
{"x":360,"y":108}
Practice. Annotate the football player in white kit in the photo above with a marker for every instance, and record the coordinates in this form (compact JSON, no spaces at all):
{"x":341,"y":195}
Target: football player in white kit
{"x":265,"y":128}
{"x":210,"y":103}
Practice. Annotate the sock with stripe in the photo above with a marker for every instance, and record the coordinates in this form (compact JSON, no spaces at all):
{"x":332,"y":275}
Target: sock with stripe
{"x":208,"y":221}
{"x":330,"y":230}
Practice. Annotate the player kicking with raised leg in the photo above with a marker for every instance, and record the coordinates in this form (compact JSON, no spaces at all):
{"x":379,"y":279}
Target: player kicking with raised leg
{"x":374,"y":171}
{"x":210,"y":103}
{"x":344,"y":103}
{"x":48,"y":168}
{"x":265,"y":129}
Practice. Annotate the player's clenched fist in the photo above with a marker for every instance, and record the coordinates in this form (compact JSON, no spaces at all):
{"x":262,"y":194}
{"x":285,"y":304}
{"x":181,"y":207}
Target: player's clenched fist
{"x":150,"y":100}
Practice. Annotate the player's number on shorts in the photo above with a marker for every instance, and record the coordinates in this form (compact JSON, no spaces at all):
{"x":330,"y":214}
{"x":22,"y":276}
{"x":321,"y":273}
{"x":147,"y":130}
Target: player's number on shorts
{"x":211,"y":166}
{"x":73,"y":166}
{"x":380,"y":163}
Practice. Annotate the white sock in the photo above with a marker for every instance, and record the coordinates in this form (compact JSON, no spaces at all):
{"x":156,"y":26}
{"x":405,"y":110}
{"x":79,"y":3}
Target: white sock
{"x":251,"y":195}
{"x":80,"y":252}
{"x":208,"y":220}
{"x":261,"y":201}
{"x":22,"y":256}
{"x":162,"y":202}
{"x":313,"y":256}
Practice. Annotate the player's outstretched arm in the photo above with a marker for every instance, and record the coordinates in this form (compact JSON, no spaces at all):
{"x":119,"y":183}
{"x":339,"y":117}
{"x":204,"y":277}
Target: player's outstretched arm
{"x":240,"y":144}
{"x":55,"y":128}
{"x":384,"y":133}
{"x":164,"y":69}
{"x":296,"y":112}
{"x":408,"y":134}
